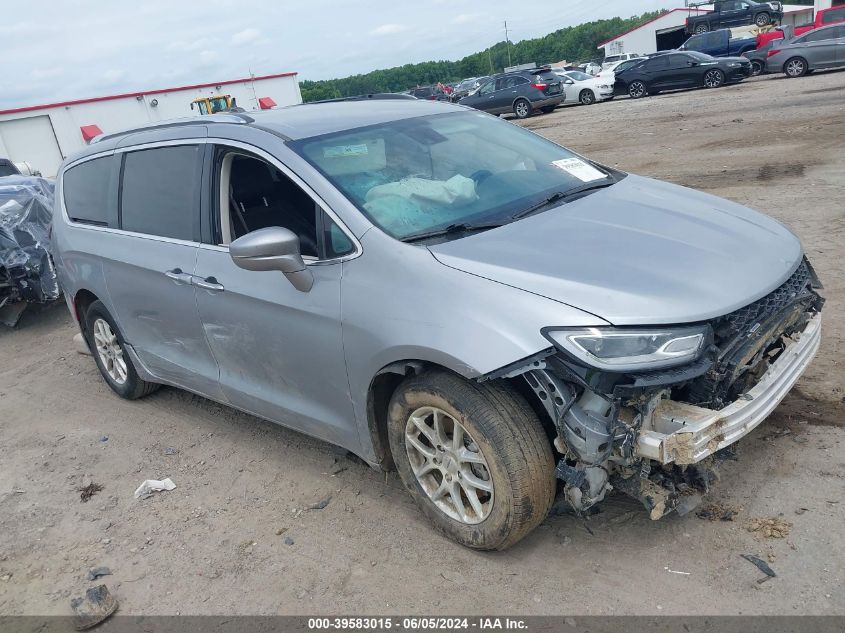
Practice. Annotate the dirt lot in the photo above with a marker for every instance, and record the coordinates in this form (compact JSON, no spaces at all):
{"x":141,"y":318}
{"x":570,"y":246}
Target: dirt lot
{"x":217,"y":543}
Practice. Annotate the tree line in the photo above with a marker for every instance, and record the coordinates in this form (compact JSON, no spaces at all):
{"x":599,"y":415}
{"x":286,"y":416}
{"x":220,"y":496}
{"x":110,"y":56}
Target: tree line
{"x":573,"y":43}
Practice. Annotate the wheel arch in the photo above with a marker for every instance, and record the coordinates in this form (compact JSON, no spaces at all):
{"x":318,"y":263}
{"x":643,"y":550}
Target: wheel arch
{"x":82,"y":300}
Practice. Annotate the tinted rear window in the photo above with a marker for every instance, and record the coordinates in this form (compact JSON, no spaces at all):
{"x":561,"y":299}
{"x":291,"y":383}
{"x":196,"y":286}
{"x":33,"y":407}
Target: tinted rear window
{"x":86,"y":189}
{"x":547,"y":75}
{"x":160,"y":191}
{"x":833,"y":15}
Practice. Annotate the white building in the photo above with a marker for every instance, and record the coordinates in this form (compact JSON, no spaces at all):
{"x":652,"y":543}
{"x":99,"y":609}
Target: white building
{"x":667,"y":30}
{"x":43,"y":135}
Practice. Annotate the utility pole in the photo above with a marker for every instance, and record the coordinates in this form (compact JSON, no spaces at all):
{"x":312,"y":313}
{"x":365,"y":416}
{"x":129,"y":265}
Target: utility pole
{"x":508,"y":43}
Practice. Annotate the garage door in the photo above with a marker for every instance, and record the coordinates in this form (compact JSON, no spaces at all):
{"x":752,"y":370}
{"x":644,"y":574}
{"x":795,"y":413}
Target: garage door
{"x":32,"y":139}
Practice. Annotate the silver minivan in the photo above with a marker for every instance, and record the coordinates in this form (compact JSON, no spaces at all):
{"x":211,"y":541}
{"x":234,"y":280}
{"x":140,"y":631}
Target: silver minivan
{"x":440,"y":292}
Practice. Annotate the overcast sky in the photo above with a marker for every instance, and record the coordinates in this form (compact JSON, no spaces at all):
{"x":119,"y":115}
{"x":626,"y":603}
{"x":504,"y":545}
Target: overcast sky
{"x":61,"y":49}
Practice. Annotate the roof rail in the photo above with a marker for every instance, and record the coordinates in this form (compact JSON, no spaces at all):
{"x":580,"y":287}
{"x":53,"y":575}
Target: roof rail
{"x":222,"y":117}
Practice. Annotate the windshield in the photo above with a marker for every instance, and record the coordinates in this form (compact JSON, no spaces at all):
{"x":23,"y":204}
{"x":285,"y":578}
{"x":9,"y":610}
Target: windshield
{"x":219,"y":104}
{"x":579,"y":76}
{"x":428,"y":173}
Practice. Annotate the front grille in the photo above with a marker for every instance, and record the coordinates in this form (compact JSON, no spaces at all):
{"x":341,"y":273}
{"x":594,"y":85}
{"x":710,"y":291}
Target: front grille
{"x":739,"y":323}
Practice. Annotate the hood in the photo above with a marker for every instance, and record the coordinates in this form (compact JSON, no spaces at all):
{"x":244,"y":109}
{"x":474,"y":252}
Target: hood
{"x":638,"y":252}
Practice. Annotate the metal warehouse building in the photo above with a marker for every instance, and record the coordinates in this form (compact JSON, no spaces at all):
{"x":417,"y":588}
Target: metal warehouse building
{"x":44,"y":135}
{"x":667,"y":30}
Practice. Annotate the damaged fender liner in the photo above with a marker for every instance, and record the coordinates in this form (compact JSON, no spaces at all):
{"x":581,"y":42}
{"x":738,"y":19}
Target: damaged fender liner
{"x":686,"y":434}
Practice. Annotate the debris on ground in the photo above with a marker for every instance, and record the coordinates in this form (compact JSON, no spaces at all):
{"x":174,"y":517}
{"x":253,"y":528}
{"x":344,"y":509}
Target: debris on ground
{"x":773,"y":527}
{"x":672,"y":571}
{"x":762,"y":565}
{"x":322,"y":503}
{"x":718,"y":512}
{"x":801,"y":510}
{"x":86,"y":492}
{"x":98,"y":572}
{"x":288,"y":540}
{"x":171,"y":451}
{"x":154,"y":485}
{"x":776,"y":434}
{"x":281,"y":531}
{"x":97,"y":605}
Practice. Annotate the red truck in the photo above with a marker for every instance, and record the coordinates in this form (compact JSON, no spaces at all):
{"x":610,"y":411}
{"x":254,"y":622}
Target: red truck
{"x":823,"y":18}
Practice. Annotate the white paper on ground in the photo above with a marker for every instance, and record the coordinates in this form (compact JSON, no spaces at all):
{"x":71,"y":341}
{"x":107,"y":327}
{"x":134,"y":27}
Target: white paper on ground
{"x":578,"y":168}
{"x":154,"y":485}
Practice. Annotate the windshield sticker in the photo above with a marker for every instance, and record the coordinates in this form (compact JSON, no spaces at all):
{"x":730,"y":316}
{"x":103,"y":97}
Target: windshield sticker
{"x":578,"y":168}
{"x":341,"y":151}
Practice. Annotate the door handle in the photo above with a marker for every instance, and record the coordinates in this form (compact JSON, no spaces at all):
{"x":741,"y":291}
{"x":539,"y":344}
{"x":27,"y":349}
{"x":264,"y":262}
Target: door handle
{"x":209,"y":283}
{"x":178,"y":276}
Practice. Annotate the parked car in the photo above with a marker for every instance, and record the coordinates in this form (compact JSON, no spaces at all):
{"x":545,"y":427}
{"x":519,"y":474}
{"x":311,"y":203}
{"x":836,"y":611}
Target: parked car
{"x":673,"y":71}
{"x":521,"y":92}
{"x":621,"y":57}
{"x":721,"y":43}
{"x":419,"y":284}
{"x":819,"y":49}
{"x":8,"y":168}
{"x":609,"y":73}
{"x":430,"y":93}
{"x":758,"y":58}
{"x":467,"y":86}
{"x":589,"y":68}
{"x":824,"y":17}
{"x":727,"y":13}
{"x":585,"y":89}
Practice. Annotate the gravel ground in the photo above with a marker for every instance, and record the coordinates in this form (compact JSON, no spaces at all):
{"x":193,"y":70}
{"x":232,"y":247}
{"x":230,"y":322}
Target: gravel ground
{"x":236,"y":537}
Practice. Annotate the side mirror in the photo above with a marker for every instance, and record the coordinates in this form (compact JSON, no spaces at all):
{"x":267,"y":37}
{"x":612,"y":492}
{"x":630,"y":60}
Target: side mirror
{"x":692,"y":63}
{"x":273,"y":248}
{"x":568,"y":82}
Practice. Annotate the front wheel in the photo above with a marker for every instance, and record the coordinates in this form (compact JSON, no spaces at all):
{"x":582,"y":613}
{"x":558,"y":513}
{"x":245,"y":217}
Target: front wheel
{"x":474,"y":457}
{"x":637,"y":89}
{"x":762,"y":19}
{"x":714,"y":78}
{"x":756,"y":67}
{"x":701,"y":28}
{"x":587,"y":97}
{"x":109,"y":351}
{"x":522,"y":109}
{"x":795,"y":67}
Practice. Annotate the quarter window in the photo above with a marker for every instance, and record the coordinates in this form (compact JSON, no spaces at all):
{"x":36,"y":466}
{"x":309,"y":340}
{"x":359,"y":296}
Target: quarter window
{"x":160,"y":191}
{"x":833,"y":15}
{"x":86,"y":191}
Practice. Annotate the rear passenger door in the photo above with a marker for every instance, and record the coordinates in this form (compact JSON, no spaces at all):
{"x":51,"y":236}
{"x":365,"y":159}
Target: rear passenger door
{"x":819,"y":47}
{"x":148,"y":264}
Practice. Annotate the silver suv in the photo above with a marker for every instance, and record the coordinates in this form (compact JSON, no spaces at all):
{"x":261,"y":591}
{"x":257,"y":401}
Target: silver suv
{"x":442,"y":292}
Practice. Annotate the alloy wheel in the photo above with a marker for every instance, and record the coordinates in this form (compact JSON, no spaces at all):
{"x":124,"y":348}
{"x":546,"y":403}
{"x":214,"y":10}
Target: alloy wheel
{"x":449,"y":465}
{"x":587,"y":97}
{"x":636,"y":90}
{"x":522,"y":109}
{"x":795,"y":67}
{"x":110,"y":351}
{"x":713,"y":79}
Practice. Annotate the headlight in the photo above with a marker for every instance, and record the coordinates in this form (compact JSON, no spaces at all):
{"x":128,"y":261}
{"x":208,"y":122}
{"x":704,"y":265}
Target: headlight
{"x":734,"y":64}
{"x":630,"y":349}
{"x":605,"y":86}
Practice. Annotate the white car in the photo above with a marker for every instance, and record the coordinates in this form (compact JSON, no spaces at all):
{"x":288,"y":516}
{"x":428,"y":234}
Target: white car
{"x":609,"y":73}
{"x":585,"y":89}
{"x":612,"y":59}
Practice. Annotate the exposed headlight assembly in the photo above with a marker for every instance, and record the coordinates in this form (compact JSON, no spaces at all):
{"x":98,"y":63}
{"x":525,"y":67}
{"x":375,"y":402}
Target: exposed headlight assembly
{"x":630,"y":349}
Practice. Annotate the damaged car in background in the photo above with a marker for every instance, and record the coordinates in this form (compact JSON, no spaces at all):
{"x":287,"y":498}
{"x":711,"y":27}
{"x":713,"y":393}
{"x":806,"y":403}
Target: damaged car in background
{"x":440,"y":292}
{"x":27,"y":274}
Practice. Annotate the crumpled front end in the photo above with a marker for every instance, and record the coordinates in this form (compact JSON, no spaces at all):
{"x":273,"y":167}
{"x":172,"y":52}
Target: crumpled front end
{"x":658,"y":435}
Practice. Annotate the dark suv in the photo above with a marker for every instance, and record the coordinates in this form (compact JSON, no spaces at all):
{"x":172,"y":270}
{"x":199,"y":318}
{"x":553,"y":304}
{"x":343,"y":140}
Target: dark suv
{"x":521,"y":92}
{"x":429,"y":93}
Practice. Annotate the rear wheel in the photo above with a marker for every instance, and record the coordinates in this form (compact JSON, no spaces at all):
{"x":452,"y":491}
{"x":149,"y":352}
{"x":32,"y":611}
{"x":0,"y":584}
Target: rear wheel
{"x":637,"y":89}
{"x":522,"y":109}
{"x":109,"y":351}
{"x":714,"y":78}
{"x":587,"y":97}
{"x":701,"y":28}
{"x":795,"y":67}
{"x":762,"y":19}
{"x":756,"y":67}
{"x":474,"y":457}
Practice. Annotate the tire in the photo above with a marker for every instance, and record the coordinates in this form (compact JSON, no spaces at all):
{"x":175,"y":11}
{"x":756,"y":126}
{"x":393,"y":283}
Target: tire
{"x":756,"y":67}
{"x":701,"y":28}
{"x":795,"y":67}
{"x":637,"y":89}
{"x":522,"y":108}
{"x":587,"y":97}
{"x":510,"y":440}
{"x":547,"y":109}
{"x":714,"y":78}
{"x":762,"y":19}
{"x":124,"y":381}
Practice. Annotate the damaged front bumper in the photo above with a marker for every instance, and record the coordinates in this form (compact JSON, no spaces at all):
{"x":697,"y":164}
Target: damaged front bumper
{"x":682,"y":433}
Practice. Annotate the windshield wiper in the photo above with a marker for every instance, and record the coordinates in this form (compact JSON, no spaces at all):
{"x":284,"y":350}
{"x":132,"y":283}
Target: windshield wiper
{"x":462,"y":227}
{"x":559,"y":196}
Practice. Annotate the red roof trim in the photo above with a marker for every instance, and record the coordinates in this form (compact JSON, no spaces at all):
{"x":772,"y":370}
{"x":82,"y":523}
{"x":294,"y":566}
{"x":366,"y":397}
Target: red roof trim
{"x":642,"y":24}
{"x":147,"y":92}
{"x":89,"y":132}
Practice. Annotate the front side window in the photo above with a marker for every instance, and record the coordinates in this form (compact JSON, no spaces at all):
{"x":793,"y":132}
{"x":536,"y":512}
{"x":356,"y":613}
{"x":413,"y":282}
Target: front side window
{"x":833,"y":15}
{"x":487,"y":88}
{"x":86,"y":190}
{"x":423,"y":174}
{"x":159,"y":192}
